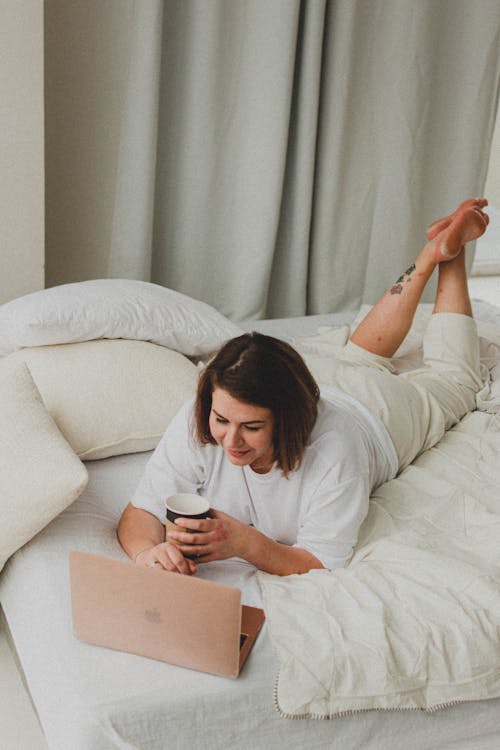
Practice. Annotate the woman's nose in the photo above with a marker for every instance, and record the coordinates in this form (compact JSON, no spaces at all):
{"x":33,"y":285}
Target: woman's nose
{"x":233,"y":436}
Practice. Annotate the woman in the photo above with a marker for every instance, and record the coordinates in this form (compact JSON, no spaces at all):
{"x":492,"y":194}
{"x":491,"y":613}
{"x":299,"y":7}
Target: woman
{"x":289,"y":471}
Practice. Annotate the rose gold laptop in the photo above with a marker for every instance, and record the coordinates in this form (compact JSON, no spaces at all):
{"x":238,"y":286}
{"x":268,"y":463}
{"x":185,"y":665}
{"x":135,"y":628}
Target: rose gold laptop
{"x":167,"y":616}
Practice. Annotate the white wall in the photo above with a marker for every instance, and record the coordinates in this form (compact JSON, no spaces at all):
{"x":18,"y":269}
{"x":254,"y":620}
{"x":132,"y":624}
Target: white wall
{"x":492,"y":188}
{"x":21,"y":148}
{"x":86,"y":60}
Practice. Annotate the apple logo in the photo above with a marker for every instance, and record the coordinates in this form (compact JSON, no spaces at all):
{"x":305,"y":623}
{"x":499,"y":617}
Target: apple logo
{"x":153,"y":616}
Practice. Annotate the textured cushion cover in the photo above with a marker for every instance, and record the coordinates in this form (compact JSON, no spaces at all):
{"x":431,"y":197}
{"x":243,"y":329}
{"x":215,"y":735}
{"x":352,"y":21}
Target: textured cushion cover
{"x":113,"y":309}
{"x":110,"y":397}
{"x":40,"y":475}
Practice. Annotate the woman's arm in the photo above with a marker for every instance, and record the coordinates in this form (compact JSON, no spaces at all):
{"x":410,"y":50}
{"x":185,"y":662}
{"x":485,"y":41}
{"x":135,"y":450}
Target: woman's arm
{"x":142,"y":536}
{"x":326,"y":537}
{"x":224,"y":536}
{"x":277,"y":558}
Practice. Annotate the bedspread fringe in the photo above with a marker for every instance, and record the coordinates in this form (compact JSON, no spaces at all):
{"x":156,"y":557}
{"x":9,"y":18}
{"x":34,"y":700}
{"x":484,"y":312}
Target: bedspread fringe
{"x":354,"y":711}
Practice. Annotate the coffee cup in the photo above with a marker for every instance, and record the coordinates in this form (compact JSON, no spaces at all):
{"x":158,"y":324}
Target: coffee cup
{"x":185,"y":505}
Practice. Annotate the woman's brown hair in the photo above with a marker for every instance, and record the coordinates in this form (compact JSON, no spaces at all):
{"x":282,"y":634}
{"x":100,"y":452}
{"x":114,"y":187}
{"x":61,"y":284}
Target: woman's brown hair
{"x":263,"y":371}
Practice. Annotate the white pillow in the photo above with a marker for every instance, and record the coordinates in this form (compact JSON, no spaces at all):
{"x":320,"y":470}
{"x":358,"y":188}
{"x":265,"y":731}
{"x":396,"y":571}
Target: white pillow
{"x":110,"y":397}
{"x":113,"y":309}
{"x":40,"y":475}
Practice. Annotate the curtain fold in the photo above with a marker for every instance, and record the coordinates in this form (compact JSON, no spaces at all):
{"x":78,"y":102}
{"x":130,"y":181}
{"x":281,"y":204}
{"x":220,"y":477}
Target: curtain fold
{"x":130,"y":254}
{"x":225,"y":109}
{"x":287,"y":291}
{"x":281,"y":157}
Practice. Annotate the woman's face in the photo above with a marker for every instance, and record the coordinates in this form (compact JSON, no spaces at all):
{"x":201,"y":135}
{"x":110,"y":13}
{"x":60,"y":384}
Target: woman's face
{"x":244,"y":431}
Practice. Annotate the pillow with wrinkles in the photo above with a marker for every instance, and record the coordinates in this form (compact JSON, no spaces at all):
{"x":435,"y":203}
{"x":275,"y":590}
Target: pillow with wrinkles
{"x":113,"y":309}
{"x":40,"y":475}
{"x":110,"y":397}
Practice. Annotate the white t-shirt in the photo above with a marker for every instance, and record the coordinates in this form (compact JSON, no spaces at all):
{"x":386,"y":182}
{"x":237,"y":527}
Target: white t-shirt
{"x":319,"y":507}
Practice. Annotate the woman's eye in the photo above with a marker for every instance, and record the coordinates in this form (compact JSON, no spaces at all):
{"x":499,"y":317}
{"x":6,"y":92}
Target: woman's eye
{"x":252,"y":429}
{"x":220,"y":420}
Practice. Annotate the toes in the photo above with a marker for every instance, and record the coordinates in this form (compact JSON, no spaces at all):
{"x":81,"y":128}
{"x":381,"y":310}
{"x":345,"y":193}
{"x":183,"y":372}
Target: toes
{"x":438,"y":226}
{"x":483,"y":216}
{"x":471,"y":203}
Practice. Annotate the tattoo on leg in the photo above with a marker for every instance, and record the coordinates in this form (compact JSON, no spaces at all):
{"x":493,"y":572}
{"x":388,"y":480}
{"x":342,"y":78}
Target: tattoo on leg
{"x":399,"y":281}
{"x":396,"y":289}
{"x":410,"y":269}
{"x":408,"y":272}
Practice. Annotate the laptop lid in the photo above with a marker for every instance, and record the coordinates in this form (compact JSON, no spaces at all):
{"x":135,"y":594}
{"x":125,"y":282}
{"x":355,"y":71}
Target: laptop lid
{"x":179,"y":619}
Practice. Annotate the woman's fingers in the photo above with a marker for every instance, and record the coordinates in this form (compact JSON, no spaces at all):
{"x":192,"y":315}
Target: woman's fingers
{"x":191,"y":544}
{"x":215,"y":538}
{"x":194,"y":524}
{"x":197,"y":538}
{"x":175,"y":558}
{"x":169,"y":557}
{"x":189,"y":538}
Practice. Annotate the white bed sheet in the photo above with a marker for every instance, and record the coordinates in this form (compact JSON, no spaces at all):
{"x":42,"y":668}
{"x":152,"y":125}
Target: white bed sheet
{"x":89,"y":698}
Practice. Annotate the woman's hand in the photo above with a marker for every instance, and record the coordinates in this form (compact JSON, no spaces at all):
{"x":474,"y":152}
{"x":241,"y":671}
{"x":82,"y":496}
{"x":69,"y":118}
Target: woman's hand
{"x":215,"y":538}
{"x":166,"y":556}
{"x":142,"y":536}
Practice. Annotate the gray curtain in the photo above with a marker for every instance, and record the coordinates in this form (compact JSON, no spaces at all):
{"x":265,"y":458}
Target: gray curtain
{"x":280,"y":157}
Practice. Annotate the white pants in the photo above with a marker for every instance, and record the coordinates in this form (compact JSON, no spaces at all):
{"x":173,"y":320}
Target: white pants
{"x":417,"y":407}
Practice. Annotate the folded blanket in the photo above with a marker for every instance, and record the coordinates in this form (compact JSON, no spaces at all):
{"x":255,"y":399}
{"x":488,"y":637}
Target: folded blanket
{"x":414,"y":621}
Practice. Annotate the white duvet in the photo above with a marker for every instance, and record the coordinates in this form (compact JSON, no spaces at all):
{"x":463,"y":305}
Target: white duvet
{"x":414,"y":621}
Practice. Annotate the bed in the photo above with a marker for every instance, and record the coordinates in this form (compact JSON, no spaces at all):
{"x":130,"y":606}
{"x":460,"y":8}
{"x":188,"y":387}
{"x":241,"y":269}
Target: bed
{"x":90,"y":698}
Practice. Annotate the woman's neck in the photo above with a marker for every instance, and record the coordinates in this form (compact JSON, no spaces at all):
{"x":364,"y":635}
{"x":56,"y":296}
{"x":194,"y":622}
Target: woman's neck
{"x":262,"y":467}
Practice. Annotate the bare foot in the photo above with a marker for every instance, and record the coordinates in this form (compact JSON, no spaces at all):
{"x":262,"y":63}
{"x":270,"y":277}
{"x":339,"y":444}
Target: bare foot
{"x":437,"y":226}
{"x":467,"y":225}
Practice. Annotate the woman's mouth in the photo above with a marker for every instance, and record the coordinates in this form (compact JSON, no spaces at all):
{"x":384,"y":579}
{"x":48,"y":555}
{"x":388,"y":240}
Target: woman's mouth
{"x":237,"y":454}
